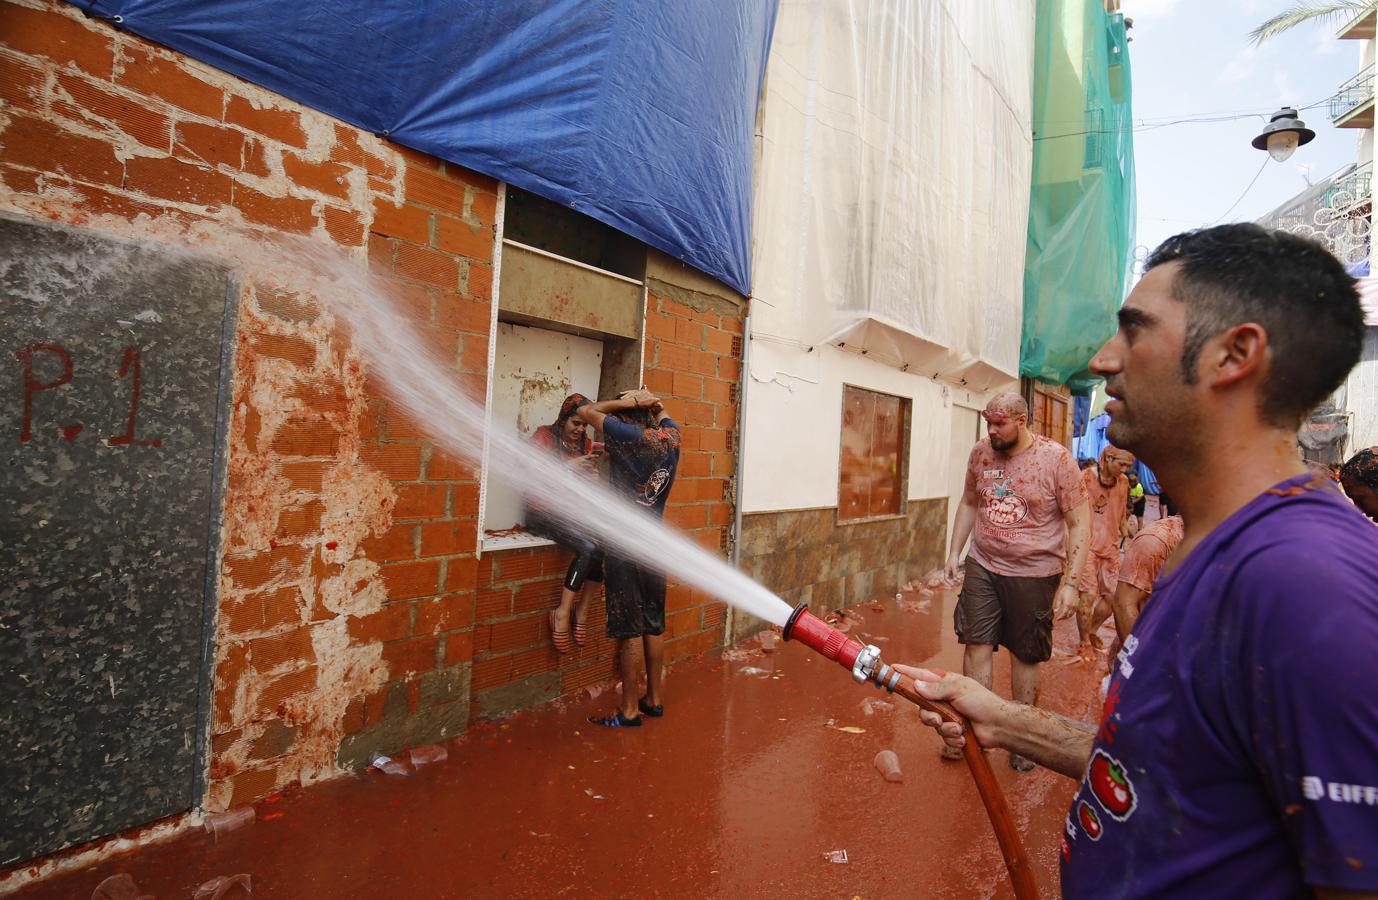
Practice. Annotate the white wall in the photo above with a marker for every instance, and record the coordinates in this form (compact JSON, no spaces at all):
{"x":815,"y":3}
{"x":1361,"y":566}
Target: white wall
{"x":794,"y":424}
{"x":533,"y":371}
{"x":1362,"y":396}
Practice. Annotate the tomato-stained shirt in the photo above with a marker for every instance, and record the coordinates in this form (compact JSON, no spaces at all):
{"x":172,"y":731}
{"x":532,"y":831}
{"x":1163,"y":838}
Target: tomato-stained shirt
{"x":1020,"y":504}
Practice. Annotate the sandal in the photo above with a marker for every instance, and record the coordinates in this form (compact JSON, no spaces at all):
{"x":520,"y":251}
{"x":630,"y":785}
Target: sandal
{"x":951,"y":753}
{"x":559,"y":638}
{"x":616,"y":720}
{"x":655,"y":712}
{"x":581,"y":633}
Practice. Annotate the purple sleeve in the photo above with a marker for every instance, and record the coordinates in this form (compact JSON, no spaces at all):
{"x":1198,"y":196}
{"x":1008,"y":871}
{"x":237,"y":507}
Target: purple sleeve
{"x":1310,"y":632}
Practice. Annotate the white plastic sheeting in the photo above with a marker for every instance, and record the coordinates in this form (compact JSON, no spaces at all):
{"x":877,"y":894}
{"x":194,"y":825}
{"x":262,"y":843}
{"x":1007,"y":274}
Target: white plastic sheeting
{"x":893,"y":189}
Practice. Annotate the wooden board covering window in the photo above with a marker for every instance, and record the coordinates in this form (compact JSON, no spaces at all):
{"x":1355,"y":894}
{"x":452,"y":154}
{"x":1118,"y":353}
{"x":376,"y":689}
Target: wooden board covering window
{"x":1050,"y":412}
{"x":873,"y":452}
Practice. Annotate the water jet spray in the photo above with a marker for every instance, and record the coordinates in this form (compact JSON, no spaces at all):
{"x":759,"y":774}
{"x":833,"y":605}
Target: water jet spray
{"x":865,"y":664}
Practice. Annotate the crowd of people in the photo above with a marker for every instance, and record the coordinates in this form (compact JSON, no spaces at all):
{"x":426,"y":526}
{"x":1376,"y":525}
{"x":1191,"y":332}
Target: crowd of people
{"x":1237,"y":748}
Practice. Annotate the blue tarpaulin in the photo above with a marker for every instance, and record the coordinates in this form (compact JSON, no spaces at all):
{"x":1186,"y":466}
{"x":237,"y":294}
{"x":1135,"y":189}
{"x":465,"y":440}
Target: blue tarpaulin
{"x":639,"y":114}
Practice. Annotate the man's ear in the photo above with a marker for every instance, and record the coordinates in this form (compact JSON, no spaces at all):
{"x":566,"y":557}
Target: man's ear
{"x":1234,"y":355}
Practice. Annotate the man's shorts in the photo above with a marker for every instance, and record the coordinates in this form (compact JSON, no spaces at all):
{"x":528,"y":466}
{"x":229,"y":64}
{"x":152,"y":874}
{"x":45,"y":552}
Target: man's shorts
{"x":1101,"y":574}
{"x":1007,"y":610}
{"x":635,"y":599}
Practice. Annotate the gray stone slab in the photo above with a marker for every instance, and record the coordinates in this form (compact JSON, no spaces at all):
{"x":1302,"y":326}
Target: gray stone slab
{"x":111,"y":378}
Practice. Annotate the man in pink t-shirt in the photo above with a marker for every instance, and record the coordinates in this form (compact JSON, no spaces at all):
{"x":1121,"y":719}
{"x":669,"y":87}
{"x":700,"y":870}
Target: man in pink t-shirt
{"x":1107,"y":490}
{"x":1023,"y":493}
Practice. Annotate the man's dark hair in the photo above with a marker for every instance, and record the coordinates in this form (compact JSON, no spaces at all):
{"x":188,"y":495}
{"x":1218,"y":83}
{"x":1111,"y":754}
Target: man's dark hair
{"x":638,"y":416}
{"x":1362,"y":469}
{"x":1293,"y":287}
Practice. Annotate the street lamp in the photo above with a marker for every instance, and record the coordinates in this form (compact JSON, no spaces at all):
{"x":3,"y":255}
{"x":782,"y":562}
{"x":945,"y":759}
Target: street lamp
{"x":1283,"y":135}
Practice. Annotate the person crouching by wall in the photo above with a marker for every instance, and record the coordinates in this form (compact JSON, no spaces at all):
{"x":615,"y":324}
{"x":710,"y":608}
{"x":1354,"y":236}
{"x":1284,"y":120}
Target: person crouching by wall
{"x":568,"y":439}
{"x":643,"y":445}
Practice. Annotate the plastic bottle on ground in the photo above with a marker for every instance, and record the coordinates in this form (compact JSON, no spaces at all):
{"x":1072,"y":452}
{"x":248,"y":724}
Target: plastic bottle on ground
{"x":888,"y":764}
{"x":221,"y":824}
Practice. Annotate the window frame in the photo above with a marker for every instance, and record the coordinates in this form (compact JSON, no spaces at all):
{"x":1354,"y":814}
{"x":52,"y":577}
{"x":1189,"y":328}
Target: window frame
{"x":902,"y":479}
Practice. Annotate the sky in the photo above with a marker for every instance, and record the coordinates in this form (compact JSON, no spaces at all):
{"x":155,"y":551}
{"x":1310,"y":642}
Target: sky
{"x":1191,"y":57}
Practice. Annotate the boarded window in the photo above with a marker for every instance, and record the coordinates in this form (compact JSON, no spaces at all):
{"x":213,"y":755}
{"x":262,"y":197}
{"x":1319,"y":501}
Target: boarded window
{"x":871,"y":481}
{"x":1050,"y":412}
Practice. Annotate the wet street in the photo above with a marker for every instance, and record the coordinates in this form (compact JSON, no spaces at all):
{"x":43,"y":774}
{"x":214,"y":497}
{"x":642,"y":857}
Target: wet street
{"x":742,"y":790}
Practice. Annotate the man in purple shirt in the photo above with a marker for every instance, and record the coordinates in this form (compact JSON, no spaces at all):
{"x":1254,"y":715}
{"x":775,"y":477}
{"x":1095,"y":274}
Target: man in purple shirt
{"x":1237,"y":752}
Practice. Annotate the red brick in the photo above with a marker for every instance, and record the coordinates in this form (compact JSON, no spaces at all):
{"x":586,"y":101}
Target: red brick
{"x":712,"y":439}
{"x":534,"y":662}
{"x":463,"y":314}
{"x":482,"y":185}
{"x":719,"y":342}
{"x":391,"y":623}
{"x":682,"y":623}
{"x":719,"y":514}
{"x":323,"y":177}
{"x":669,"y":356}
{"x":444,"y":614}
{"x":694,"y":465}
{"x":21,"y":83}
{"x":659,"y":325}
{"x":297,"y":437}
{"x":689,"y":387}
{"x":168,"y":80}
{"x":286,"y":346}
{"x":284,"y":688}
{"x":261,"y":611}
{"x":694,"y":413}
{"x":282,"y":125}
{"x":520,"y":565}
{"x":60,"y":38}
{"x":716,"y":391}
{"x":42,"y":145}
{"x":660,"y":381}
{"x":703,"y":363}
{"x":211,"y":145}
{"x":287,"y":648}
{"x":252,"y":784}
{"x":354,"y":716}
{"x":483,"y":204}
{"x":730,"y":369}
{"x":409,"y":223}
{"x":19,"y":181}
{"x":679,"y":309}
{"x":107,"y":109}
{"x":586,"y":676}
{"x":473,"y":353}
{"x":172,"y":179}
{"x":677,"y":597}
{"x":518,"y":634}
{"x":416,"y":157}
{"x":732,"y":325}
{"x":459,"y":647}
{"x":345,"y":226}
{"x":686,"y":517}
{"x":422,"y":264}
{"x":709,"y":538}
{"x":429,"y":189}
{"x":461,"y":573}
{"x":689,"y":333}
{"x":490,"y":673}
{"x":449,"y":537}
{"x":282,"y":213}
{"x":399,"y":462}
{"x":258,"y":569}
{"x":537,"y":595}
{"x":406,"y":657}
{"x":444,"y":467}
{"x":349,"y":150}
{"x":411,"y":579}
{"x":301,"y":521}
{"x":456,"y":236}
{"x":714,"y":614}
{"x":491,"y":603}
{"x":397,"y":543}
{"x":256,"y":155}
{"x":375,"y":705}
{"x":420,"y":501}
{"x":480,"y":281}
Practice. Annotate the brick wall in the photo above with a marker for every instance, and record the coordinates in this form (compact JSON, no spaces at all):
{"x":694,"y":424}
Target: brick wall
{"x":692,"y":352}
{"x":348,"y":578}
{"x":354,"y":615}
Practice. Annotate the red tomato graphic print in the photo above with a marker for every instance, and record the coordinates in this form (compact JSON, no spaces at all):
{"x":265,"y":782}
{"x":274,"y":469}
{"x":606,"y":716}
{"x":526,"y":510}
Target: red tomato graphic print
{"x":1110,"y":785}
{"x":1090,"y":820}
{"x":1004,"y":507}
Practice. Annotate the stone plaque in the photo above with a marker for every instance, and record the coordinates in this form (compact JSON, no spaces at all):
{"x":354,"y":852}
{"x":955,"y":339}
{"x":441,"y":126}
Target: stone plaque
{"x":112,"y":393}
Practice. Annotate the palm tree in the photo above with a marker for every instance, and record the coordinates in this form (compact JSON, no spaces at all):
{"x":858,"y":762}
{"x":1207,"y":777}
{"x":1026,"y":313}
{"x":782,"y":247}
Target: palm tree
{"x":1303,"y":11}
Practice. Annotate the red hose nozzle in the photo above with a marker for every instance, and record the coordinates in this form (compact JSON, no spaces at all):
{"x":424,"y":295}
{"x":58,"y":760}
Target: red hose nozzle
{"x":811,"y":631}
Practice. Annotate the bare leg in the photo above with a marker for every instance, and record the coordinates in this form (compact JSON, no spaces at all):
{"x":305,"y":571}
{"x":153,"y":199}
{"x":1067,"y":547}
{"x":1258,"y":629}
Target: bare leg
{"x":654,"y":645}
{"x":977,"y":663}
{"x":1099,"y":614}
{"x":1085,"y":609}
{"x":563,"y":612}
{"x":630,"y":653}
{"x":1024,"y":681}
{"x":581,"y":606}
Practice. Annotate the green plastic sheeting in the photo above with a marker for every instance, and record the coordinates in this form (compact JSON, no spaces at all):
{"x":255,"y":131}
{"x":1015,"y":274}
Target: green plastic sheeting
{"x":1081,"y":207}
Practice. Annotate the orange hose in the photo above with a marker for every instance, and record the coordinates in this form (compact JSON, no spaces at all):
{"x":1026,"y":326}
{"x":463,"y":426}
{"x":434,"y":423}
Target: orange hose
{"x":1021,"y":876}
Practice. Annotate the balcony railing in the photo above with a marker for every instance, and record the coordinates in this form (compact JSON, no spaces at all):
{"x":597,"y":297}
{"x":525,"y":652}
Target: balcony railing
{"x":1355,"y":93}
{"x":1357,"y":184}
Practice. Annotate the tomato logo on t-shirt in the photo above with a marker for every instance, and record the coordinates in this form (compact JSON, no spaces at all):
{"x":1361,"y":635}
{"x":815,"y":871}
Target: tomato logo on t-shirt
{"x":1004,"y":507}
{"x":1090,"y":820}
{"x":1110,"y":785}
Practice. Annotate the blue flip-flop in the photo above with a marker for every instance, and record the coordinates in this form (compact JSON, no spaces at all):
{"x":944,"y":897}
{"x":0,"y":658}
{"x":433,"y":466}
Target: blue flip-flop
{"x":616,"y":720}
